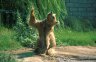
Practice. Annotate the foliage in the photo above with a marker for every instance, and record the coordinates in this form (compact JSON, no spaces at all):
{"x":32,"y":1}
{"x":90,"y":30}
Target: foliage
{"x":23,"y":7}
{"x":69,"y":37}
{"x":42,"y":7}
{"x":7,"y":58}
{"x":56,"y":6}
{"x":7,"y":41}
{"x":25,"y":35}
{"x":93,"y":22}
{"x":78,"y":24}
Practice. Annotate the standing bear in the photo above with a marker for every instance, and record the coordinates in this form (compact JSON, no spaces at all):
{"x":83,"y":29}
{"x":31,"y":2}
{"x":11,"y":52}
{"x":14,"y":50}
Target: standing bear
{"x":46,"y":32}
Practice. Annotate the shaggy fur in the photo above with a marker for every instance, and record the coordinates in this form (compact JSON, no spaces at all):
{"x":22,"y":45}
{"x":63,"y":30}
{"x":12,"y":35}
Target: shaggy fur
{"x":46,"y":32}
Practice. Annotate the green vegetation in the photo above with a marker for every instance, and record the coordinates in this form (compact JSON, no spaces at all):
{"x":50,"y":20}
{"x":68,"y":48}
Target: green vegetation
{"x":78,"y":24}
{"x":71,"y":31}
{"x":42,"y":8}
{"x":7,"y":57}
{"x":68,"y":37}
{"x":7,"y":41}
{"x":82,"y":26}
{"x":25,"y":35}
{"x":64,"y":36}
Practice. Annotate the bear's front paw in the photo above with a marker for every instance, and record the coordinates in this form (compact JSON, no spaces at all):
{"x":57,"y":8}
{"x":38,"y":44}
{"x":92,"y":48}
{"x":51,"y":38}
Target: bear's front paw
{"x":32,"y":11}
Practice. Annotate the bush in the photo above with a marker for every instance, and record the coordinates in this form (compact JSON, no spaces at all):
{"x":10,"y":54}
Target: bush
{"x":25,"y":35}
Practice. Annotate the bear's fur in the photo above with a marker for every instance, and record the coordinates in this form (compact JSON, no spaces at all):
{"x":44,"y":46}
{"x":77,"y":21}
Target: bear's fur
{"x":46,"y":32}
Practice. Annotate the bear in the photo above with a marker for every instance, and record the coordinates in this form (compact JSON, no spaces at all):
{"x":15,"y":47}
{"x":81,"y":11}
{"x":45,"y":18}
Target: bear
{"x":46,"y":32}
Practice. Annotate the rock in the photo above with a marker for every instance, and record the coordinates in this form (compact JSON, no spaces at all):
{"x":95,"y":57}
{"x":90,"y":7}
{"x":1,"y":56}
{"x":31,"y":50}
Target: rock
{"x":51,"y":52}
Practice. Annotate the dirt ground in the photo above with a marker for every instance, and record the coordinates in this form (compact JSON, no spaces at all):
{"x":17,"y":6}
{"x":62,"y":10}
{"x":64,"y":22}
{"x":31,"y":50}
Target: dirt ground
{"x":61,"y":54}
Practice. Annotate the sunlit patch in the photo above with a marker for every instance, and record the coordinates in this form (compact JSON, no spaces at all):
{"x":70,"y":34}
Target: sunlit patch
{"x":54,"y":15}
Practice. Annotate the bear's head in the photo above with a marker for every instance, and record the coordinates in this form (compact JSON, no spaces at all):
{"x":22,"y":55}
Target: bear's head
{"x":51,"y":18}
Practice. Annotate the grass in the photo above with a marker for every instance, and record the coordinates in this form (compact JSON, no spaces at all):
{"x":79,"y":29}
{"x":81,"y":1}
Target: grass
{"x":63,"y":37}
{"x":70,"y":38}
{"x":7,"y":41}
{"x":7,"y":57}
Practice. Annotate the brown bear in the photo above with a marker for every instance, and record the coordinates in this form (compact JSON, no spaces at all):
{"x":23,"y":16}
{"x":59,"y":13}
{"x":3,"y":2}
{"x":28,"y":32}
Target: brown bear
{"x":46,"y":32}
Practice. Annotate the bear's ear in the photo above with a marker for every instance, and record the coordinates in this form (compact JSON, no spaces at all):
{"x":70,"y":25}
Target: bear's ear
{"x":50,"y":13}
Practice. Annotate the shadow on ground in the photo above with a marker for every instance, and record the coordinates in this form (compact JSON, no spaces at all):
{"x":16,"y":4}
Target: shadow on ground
{"x":26,"y":54}
{"x":62,"y":54}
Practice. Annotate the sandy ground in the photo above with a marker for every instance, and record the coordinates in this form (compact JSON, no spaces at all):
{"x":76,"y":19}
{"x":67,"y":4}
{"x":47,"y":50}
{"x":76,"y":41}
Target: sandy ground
{"x":61,"y":54}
